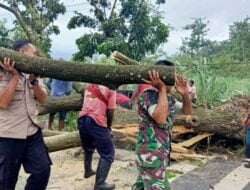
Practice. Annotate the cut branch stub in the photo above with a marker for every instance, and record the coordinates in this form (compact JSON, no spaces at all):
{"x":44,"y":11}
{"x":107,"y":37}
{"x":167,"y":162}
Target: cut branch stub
{"x":109,"y":75}
{"x":123,"y":59}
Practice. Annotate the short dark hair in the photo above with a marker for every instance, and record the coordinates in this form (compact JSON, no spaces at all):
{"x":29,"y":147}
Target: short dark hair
{"x":164,"y":62}
{"x":192,"y":82}
{"x":20,"y":43}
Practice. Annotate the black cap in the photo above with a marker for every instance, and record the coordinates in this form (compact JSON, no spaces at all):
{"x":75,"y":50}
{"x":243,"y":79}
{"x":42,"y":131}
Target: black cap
{"x":164,"y":63}
{"x":19,"y":44}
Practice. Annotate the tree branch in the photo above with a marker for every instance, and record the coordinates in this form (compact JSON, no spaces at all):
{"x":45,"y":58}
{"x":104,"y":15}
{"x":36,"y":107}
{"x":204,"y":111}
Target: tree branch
{"x":14,"y":10}
{"x":18,"y":17}
{"x":112,"y":10}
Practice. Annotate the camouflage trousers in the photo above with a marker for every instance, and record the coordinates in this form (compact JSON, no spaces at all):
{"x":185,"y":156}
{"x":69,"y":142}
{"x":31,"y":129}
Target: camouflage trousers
{"x":151,"y":179}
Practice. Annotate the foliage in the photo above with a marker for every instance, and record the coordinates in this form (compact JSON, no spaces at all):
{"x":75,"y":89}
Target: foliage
{"x":196,"y":162}
{"x":239,"y":38}
{"x":170,"y":175}
{"x":220,"y":69}
{"x":71,"y":121}
{"x":132,"y":27}
{"x":99,"y":59}
{"x":194,"y":44}
{"x":213,"y":82}
{"x":210,"y":88}
{"x":38,"y":16}
{"x":6,"y":35}
{"x":235,"y":49}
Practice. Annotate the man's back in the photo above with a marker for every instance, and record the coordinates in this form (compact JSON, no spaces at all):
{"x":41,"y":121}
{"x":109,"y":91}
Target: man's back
{"x":59,"y":87}
{"x":95,"y":107}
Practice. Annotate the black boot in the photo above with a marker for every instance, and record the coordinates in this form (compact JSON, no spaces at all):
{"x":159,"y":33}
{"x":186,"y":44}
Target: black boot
{"x":101,"y":175}
{"x":88,"y":165}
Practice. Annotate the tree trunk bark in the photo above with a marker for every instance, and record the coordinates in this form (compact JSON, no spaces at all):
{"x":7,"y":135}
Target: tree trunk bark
{"x":50,"y":133}
{"x":109,"y":75}
{"x":64,"y":141}
{"x":72,"y":139}
{"x":123,"y":59}
{"x":226,"y":120}
{"x":64,"y":103}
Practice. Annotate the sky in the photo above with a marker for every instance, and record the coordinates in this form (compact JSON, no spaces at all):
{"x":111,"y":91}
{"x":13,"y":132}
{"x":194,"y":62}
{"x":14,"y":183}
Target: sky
{"x":177,"y":13}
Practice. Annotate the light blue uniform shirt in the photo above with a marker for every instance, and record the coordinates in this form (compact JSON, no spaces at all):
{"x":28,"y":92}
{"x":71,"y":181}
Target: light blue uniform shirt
{"x":59,"y":87}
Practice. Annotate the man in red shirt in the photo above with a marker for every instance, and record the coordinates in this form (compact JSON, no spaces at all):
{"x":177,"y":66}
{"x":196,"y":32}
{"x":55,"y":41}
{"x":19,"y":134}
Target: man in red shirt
{"x":123,"y":101}
{"x":94,"y":124}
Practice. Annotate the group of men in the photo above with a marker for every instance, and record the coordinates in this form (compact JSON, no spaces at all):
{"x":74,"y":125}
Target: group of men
{"x":21,"y":141}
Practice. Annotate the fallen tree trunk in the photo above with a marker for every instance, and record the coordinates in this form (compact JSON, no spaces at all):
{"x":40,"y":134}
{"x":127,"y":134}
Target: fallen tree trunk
{"x":121,"y":140}
{"x":72,"y":139}
{"x":109,"y":75}
{"x":61,"y":142}
{"x":225,"y":124}
{"x":50,"y":133}
{"x":226,"y":120}
{"x":64,"y":103}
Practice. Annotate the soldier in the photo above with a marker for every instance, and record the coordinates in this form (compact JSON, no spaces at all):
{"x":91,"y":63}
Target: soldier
{"x":156,"y":109}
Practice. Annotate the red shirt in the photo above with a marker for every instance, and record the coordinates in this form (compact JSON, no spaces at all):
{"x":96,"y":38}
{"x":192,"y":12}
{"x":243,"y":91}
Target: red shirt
{"x":140,"y":88}
{"x":120,"y":98}
{"x":96,"y":108}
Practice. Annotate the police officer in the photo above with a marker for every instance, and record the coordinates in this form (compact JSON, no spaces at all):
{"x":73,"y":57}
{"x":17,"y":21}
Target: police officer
{"x":21,"y":141}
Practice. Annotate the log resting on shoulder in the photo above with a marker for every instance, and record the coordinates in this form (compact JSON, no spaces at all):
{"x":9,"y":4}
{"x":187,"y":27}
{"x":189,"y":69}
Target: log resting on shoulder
{"x":110,"y":75}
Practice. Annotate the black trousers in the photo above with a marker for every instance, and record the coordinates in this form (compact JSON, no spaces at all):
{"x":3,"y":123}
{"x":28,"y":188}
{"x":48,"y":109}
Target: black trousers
{"x":248,"y":141}
{"x":32,"y":154}
{"x":94,"y":136}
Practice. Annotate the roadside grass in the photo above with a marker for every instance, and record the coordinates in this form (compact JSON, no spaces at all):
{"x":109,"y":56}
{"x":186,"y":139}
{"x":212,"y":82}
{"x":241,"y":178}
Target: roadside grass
{"x":196,"y":162}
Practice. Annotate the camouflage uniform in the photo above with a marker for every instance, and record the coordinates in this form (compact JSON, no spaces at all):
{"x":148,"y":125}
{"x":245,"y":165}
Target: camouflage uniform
{"x":153,"y":145}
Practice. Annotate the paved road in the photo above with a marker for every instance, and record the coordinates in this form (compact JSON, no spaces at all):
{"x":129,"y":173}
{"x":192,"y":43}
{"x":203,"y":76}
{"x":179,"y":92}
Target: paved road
{"x":217,"y":174}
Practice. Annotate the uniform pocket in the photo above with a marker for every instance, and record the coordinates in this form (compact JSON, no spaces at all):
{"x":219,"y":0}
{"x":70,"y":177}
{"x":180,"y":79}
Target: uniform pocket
{"x":19,"y":92}
{"x":2,"y":159}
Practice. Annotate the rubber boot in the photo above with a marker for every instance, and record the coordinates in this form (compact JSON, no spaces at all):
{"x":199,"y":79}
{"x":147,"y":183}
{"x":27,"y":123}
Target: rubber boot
{"x":101,"y":175}
{"x":88,"y":165}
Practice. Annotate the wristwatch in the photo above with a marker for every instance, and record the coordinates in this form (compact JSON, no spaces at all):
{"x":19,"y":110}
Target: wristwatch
{"x":34,"y":82}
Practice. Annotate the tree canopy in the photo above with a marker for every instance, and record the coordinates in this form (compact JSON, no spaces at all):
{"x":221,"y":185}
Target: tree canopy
{"x":6,"y":35}
{"x":133,"y":27}
{"x":193,"y":45}
{"x":239,"y":40}
{"x":35,"y":20}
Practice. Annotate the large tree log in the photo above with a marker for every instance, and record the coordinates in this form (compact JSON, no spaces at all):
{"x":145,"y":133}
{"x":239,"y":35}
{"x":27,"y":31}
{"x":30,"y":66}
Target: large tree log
{"x":226,"y":120}
{"x":121,"y":139}
{"x":72,"y":139}
{"x":65,"y":103}
{"x":109,"y":75}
